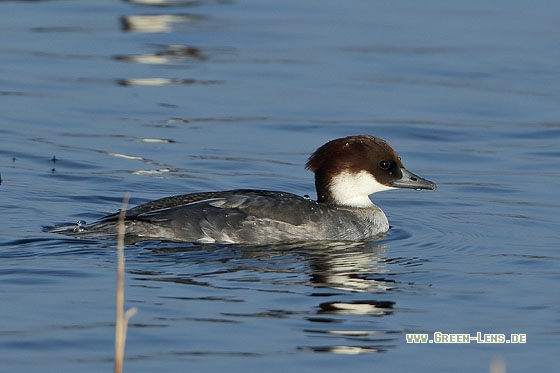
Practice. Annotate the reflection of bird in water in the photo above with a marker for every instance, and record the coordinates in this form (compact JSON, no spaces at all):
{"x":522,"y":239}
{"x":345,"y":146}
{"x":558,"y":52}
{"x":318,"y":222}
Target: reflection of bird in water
{"x":356,"y":267}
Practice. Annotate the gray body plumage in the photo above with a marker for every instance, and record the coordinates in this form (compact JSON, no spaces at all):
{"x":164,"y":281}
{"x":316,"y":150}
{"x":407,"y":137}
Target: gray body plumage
{"x":244,"y":216}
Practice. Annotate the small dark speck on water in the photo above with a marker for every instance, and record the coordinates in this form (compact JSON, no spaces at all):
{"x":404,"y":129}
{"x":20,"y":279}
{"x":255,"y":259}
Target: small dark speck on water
{"x":53,"y":159}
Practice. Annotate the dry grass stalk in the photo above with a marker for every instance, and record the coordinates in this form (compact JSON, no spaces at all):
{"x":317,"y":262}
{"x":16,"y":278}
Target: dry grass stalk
{"x":122,"y":317}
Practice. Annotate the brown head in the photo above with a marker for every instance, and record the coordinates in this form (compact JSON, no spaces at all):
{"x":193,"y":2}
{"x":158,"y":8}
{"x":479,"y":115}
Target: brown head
{"x":349,"y":169}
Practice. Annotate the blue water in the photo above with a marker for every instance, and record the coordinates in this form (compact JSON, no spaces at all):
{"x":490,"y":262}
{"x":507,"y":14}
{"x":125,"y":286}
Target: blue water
{"x":220,"y":95}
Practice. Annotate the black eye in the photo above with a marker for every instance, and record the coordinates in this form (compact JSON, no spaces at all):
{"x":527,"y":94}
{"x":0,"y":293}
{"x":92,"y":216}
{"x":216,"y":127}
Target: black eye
{"x":384,"y":165}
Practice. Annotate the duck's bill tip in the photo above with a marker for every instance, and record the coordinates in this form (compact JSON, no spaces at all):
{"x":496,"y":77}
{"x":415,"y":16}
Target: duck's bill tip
{"x":412,"y":181}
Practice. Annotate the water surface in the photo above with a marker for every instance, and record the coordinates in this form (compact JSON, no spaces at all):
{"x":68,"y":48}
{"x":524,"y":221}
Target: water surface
{"x":100,"y":98}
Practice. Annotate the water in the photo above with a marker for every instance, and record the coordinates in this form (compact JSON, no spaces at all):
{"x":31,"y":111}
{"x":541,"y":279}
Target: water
{"x":219,"y":95}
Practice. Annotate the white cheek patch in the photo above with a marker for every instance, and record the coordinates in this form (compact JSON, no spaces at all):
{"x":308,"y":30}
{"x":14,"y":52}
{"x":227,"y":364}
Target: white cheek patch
{"x":353,"y":189}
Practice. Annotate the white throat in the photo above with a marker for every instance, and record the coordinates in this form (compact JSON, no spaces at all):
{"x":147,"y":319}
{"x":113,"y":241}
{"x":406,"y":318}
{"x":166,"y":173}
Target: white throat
{"x":353,"y":189}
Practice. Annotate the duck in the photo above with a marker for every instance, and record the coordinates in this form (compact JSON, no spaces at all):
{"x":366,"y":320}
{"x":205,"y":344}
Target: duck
{"x":347,"y":171}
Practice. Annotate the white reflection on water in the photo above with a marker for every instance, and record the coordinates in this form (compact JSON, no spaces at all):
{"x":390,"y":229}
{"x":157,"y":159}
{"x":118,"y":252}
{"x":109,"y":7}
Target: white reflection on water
{"x":155,"y":22}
